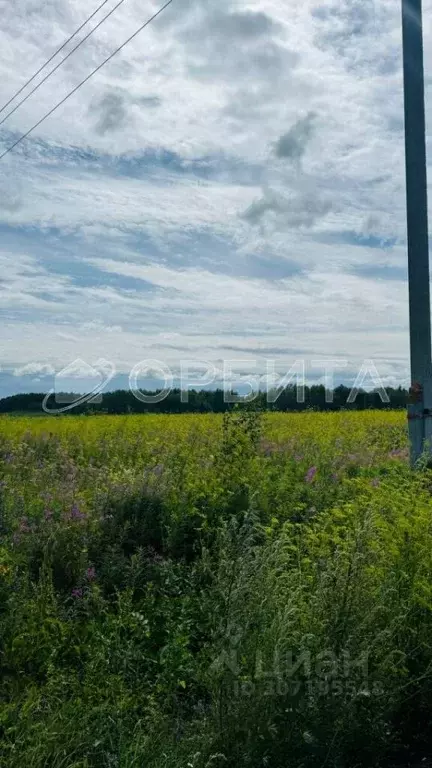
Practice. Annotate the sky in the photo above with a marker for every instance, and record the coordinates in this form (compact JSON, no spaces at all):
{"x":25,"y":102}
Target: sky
{"x":229,"y":187}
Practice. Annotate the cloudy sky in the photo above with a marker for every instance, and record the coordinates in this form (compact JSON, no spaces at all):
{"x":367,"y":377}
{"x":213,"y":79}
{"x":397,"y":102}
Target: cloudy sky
{"x":231,"y":186}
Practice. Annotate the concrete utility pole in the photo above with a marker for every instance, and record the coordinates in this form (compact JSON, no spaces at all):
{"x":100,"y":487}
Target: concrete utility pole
{"x":420,"y":408}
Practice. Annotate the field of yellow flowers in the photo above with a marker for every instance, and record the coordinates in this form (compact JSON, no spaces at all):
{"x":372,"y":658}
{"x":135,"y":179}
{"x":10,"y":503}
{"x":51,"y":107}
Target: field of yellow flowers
{"x":200,"y":591}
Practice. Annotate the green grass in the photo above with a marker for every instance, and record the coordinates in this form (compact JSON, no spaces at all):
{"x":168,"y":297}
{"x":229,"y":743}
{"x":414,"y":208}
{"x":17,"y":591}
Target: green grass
{"x":199,"y":591}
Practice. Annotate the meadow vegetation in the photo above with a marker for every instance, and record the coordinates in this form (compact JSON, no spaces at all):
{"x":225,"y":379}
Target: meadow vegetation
{"x":199,"y":591}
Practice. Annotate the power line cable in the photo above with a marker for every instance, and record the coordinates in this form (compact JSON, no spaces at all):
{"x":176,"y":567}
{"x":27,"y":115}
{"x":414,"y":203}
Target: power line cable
{"x":48,"y":61}
{"x":86,"y":79}
{"x":92,"y":31}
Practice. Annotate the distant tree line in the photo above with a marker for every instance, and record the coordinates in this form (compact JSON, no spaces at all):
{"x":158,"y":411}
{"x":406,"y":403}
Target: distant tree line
{"x":215,"y":401}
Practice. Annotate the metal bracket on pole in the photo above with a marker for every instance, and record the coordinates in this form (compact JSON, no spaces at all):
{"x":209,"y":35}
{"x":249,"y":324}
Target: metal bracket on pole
{"x":416,"y":421}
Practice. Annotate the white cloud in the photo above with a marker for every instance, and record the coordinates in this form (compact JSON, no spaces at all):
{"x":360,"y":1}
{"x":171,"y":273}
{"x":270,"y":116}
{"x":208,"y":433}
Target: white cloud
{"x":34,"y":369}
{"x":224,"y":134}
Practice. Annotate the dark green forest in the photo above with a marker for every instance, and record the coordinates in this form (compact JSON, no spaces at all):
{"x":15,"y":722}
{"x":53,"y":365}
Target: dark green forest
{"x":212,"y":401}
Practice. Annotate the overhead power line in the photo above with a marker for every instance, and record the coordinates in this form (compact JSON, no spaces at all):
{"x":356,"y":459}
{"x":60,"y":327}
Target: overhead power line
{"x":48,"y":61}
{"x":60,"y":64}
{"x":86,"y":79}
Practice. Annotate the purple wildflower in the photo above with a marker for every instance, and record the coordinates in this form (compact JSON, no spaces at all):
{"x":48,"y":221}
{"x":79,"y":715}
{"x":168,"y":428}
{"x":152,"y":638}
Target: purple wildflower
{"x":24,"y":526}
{"x":76,"y":514}
{"x":397,"y":453}
{"x":48,"y":515}
{"x":310,"y":474}
{"x":77,"y":592}
{"x":91,"y":573}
